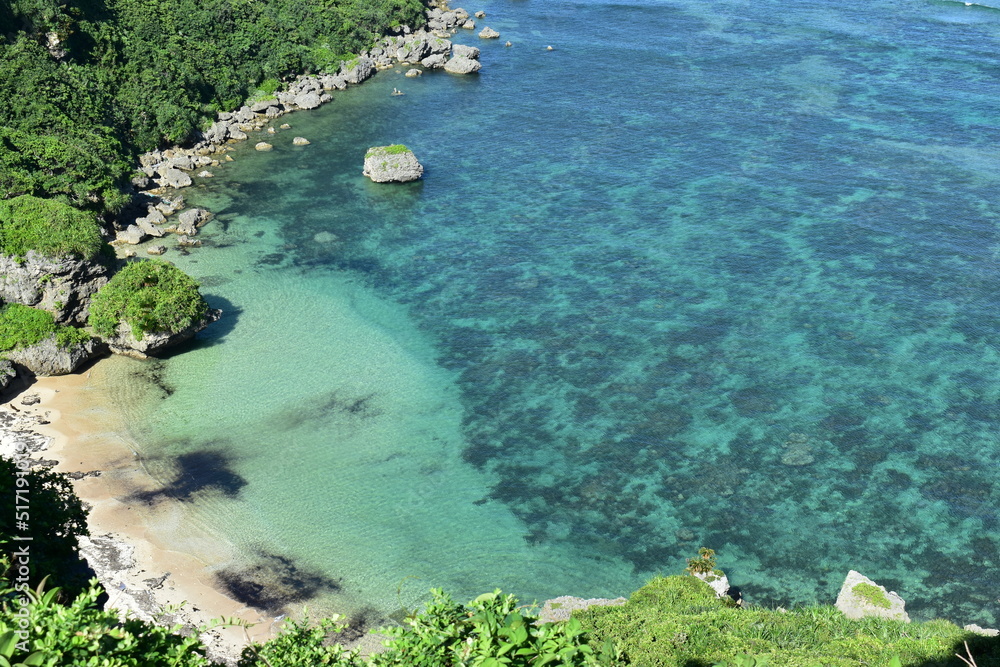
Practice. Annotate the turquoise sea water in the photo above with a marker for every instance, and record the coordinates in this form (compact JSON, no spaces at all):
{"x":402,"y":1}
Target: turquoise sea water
{"x":708,"y":273}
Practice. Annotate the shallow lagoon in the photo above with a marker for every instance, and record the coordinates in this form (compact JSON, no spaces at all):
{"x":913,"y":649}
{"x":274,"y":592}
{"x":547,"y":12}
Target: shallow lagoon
{"x":717,"y":274}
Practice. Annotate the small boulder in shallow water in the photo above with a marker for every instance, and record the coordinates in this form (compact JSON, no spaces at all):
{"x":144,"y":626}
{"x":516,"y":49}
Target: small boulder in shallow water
{"x":396,"y":163}
{"x":300,"y":141}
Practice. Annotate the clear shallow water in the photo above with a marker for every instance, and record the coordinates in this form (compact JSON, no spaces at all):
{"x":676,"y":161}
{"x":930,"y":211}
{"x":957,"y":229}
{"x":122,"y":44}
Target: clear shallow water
{"x":716,"y":274}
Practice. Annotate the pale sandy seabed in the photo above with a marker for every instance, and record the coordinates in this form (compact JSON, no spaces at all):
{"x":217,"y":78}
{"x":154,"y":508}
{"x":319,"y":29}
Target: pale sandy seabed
{"x":88,"y":435}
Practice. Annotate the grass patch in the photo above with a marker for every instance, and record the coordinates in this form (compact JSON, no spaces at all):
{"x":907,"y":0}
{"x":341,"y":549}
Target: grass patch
{"x":23,"y":326}
{"x":873,"y":595}
{"x":48,"y":227}
{"x":380,"y":151}
{"x":150,"y":295}
{"x":678,"y":621}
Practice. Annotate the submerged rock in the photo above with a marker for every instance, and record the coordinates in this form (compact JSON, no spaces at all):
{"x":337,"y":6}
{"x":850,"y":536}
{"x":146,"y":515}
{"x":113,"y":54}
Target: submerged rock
{"x":860,"y":597}
{"x":397,"y":163}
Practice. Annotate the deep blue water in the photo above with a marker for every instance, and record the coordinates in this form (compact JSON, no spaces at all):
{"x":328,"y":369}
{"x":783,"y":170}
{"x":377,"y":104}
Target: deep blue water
{"x":708,"y":273}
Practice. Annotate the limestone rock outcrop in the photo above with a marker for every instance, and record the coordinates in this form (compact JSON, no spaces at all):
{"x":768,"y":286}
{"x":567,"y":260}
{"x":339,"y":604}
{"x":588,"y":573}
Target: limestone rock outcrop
{"x":462,"y":65}
{"x":60,"y":285}
{"x":860,"y":597}
{"x":561,"y":608}
{"x":153,"y":342}
{"x":385,"y":164}
{"x":7,"y":374}
{"x":47,"y":357}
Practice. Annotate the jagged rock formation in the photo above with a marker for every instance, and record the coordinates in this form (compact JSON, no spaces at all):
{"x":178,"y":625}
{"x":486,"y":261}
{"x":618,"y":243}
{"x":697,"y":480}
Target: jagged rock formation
{"x":561,"y":608}
{"x":60,"y":285}
{"x":47,"y":357}
{"x":7,"y":374}
{"x":153,"y":342}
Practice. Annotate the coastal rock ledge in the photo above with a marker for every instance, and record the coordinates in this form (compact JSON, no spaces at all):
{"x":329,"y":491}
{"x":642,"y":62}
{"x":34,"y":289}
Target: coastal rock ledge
{"x":151,"y":343}
{"x":396,"y":163}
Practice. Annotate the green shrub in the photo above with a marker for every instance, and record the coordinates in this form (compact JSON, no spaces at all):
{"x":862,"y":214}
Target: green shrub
{"x":150,"y":295}
{"x":301,"y":645}
{"x":872,"y":594}
{"x":48,"y":227}
{"x":675,"y":621}
{"x":21,"y":326}
{"x":54,"y":519}
{"x":80,"y":633}
{"x":490,"y":631}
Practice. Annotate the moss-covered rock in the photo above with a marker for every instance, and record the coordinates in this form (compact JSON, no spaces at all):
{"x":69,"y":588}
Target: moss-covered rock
{"x":147,"y":306}
{"x":395,"y":163}
{"x":31,"y":338}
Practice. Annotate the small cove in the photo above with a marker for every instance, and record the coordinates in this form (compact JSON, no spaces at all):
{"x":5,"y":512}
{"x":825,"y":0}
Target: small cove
{"x":742,"y":297}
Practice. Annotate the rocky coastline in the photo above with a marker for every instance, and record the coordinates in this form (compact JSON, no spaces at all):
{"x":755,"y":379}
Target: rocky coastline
{"x":131,"y":568}
{"x":165,"y":172}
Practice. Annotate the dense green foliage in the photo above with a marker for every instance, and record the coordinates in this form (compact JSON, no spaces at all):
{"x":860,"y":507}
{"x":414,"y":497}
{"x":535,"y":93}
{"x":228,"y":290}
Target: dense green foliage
{"x":128,"y":75}
{"x":490,"y":631}
{"x":81,"y":634}
{"x":301,"y":645}
{"x":48,"y":227}
{"x":678,"y":621}
{"x":52,"y":515}
{"x":21,"y":326}
{"x":150,"y":295}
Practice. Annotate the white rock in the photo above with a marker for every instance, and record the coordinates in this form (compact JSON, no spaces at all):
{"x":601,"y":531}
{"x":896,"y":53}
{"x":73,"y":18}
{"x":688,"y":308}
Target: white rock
{"x":860,"y":597}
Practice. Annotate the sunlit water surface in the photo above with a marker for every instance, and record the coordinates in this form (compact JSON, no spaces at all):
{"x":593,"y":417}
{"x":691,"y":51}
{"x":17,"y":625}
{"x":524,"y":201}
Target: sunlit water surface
{"x":708,"y":273}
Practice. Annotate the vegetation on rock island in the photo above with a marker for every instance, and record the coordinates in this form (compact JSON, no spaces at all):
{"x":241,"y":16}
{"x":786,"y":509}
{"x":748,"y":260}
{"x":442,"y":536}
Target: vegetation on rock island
{"x":22,"y":326}
{"x":149,"y":295}
{"x":49,"y":227}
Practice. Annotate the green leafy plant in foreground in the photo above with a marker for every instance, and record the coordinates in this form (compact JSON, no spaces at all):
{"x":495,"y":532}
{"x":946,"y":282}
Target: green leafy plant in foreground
{"x":149,"y":295}
{"x":301,"y":645}
{"x":82,"y":634}
{"x":489,"y":632}
{"x":678,"y":621}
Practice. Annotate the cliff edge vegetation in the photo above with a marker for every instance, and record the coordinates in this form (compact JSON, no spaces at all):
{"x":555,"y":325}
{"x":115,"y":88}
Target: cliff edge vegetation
{"x":673,"y":621}
{"x":88,"y":85}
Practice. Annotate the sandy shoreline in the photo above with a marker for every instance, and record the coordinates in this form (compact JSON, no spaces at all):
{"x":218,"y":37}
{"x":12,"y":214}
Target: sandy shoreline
{"x":141,"y":573}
